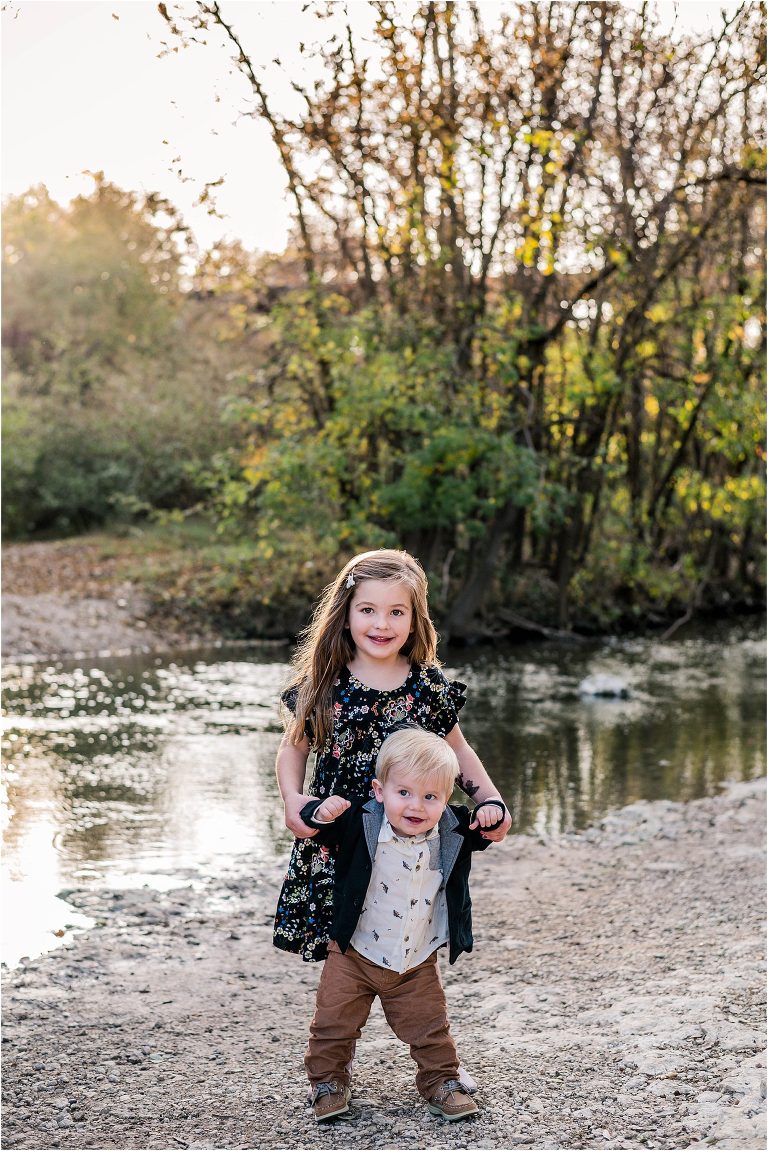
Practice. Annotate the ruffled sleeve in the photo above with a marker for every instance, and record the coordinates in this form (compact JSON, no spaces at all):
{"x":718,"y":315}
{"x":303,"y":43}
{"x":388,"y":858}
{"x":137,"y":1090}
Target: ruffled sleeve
{"x":288,"y":699}
{"x":446,"y":699}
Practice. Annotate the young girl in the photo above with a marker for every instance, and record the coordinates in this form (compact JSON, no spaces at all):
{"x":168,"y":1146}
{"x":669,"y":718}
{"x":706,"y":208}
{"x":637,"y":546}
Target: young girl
{"x":367,"y":662}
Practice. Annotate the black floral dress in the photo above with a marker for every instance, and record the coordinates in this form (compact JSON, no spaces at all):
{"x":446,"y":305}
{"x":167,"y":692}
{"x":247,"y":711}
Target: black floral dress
{"x":345,"y":766}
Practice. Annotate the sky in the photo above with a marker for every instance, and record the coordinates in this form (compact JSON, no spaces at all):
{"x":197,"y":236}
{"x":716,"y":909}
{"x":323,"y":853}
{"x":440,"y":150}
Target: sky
{"x":83,"y":90}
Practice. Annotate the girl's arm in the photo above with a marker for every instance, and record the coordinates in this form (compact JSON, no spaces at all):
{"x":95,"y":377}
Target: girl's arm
{"x":291,"y":768}
{"x":474,"y":779}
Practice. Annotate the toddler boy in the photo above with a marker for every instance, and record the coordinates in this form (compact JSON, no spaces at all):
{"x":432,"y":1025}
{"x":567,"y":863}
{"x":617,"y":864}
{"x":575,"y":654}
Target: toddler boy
{"x":401,"y":891}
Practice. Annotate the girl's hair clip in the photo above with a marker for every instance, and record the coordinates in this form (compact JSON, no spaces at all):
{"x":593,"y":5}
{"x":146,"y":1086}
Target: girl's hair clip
{"x":351,"y":579}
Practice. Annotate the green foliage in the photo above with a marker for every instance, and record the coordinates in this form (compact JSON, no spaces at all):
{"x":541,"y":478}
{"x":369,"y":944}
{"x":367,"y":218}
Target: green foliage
{"x":457,"y":478}
{"x":109,"y":405}
{"x":368,"y":440}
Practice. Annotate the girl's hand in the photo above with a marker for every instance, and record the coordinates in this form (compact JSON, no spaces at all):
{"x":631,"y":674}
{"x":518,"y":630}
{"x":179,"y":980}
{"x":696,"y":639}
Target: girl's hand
{"x":475,"y":781}
{"x":331,"y":809}
{"x":293,"y":821}
{"x":487,"y":817}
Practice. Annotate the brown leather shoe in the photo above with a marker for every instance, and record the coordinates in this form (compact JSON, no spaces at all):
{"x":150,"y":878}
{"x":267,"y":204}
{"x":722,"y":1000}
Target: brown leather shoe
{"x":330,"y":1100}
{"x":452,"y":1101}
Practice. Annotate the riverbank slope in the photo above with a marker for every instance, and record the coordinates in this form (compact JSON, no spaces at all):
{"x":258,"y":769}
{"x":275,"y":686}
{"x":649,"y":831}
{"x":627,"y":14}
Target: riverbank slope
{"x":64,"y":598}
{"x":180,"y":586}
{"x":615,"y":999}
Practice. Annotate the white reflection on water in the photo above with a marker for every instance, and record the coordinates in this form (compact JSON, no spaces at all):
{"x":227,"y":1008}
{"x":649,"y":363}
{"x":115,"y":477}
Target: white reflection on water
{"x":35,"y":919}
{"x":212,"y":802}
{"x":147,"y":774}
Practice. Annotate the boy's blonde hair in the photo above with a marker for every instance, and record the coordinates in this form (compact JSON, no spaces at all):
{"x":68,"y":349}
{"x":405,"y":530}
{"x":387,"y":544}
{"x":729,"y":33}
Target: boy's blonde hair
{"x":326,"y":645}
{"x":422,"y":754}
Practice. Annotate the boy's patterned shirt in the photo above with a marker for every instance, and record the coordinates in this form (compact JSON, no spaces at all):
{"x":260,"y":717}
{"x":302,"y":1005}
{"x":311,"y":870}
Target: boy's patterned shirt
{"x":405,"y":914}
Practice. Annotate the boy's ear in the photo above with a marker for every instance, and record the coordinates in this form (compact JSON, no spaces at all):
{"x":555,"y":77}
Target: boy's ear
{"x":377,"y":791}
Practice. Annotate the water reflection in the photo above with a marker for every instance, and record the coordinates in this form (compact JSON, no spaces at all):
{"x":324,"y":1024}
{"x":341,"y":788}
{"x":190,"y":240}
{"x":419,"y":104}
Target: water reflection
{"x":158,"y":771}
{"x":695,"y":717}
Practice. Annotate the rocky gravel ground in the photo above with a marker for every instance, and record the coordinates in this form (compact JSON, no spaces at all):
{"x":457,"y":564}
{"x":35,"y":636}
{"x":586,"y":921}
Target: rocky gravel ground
{"x":615,"y":999}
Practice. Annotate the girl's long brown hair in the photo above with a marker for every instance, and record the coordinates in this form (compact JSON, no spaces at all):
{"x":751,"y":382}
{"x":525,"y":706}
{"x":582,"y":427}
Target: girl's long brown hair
{"x":325,"y":646}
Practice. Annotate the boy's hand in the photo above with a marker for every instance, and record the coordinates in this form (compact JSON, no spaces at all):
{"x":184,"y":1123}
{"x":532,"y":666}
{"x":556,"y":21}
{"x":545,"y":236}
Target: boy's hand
{"x":491,"y":816}
{"x":331,"y":809}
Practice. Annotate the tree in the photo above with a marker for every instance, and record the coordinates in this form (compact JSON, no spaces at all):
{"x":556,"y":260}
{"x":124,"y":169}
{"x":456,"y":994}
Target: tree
{"x":499,"y":223}
{"x":106,"y":405}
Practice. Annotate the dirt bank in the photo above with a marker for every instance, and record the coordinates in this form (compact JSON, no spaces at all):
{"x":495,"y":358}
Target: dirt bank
{"x":66,"y":599}
{"x":615,"y":999}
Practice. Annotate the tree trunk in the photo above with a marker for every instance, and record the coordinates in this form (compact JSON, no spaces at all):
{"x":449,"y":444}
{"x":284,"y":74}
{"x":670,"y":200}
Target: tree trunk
{"x":466,"y":605}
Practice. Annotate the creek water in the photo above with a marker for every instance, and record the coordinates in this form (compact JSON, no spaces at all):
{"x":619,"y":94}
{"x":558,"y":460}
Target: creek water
{"x":159,"y":770}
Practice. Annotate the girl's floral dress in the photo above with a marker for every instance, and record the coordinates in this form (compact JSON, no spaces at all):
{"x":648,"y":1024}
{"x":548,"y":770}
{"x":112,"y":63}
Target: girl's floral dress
{"x":345,"y":766}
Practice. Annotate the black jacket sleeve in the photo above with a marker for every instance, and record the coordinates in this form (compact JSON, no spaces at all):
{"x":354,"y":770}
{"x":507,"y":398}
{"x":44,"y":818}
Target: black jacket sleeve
{"x":329,"y":834}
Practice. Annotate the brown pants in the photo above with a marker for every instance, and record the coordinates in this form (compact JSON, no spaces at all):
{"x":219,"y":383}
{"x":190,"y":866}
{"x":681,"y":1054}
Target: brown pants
{"x":414,"y":1007}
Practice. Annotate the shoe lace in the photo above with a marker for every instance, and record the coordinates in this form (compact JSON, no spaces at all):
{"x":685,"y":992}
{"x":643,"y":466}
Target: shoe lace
{"x":324,"y":1089}
{"x":450,"y":1087}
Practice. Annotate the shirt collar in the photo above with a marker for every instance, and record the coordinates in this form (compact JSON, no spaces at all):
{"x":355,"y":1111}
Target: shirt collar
{"x":387,"y":835}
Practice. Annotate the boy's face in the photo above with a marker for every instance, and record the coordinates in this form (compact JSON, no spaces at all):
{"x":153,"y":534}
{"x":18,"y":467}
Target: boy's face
{"x":413,"y":806}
